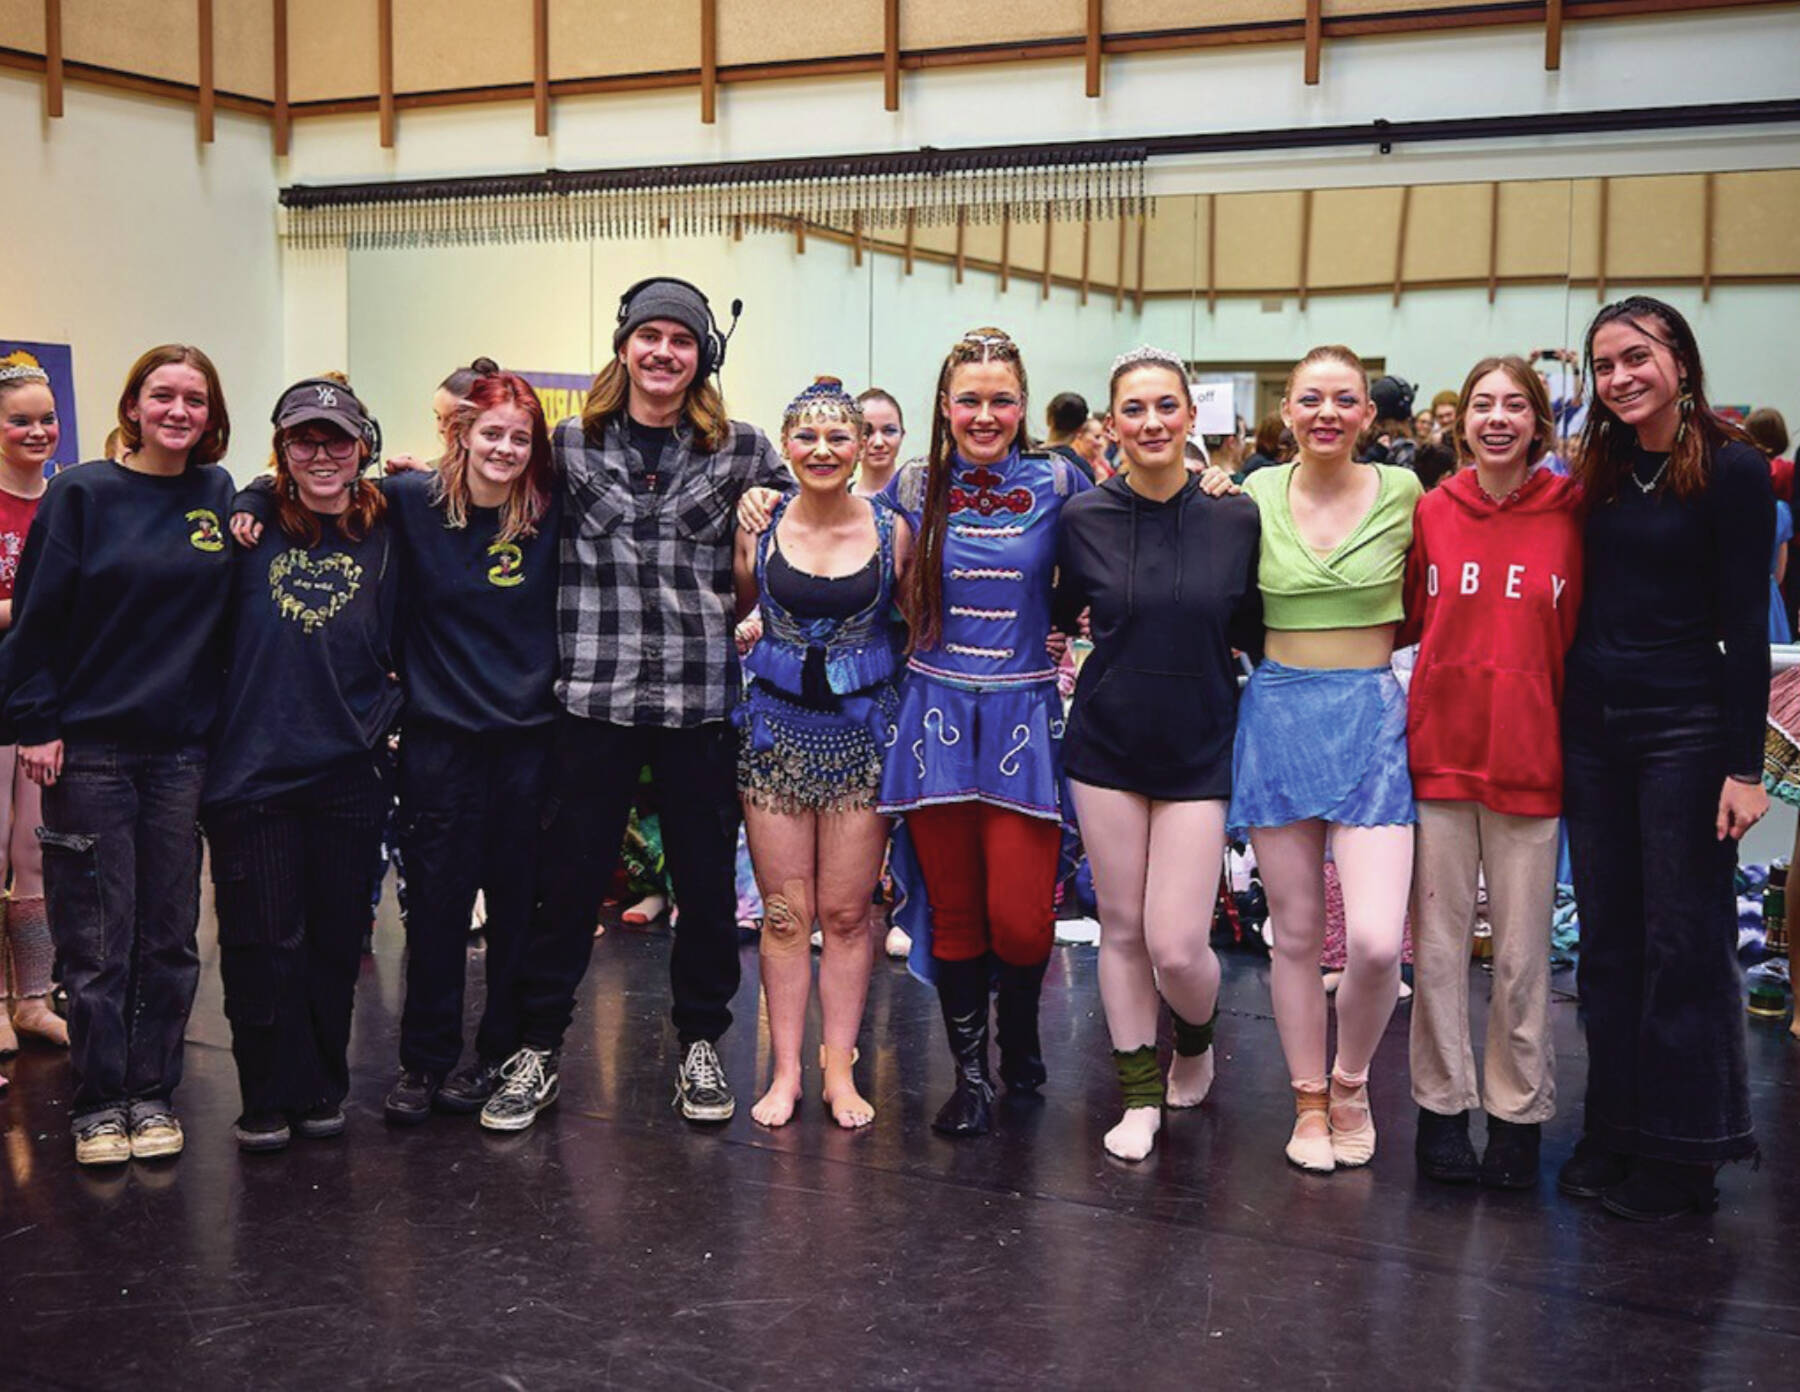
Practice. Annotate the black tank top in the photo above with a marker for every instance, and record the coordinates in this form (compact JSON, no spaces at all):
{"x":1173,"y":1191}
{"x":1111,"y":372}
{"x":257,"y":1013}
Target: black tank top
{"x":808,"y":596}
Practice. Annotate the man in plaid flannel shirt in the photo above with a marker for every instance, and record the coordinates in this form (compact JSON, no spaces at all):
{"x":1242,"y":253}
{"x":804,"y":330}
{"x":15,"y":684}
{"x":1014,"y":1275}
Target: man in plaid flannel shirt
{"x":652,"y":472}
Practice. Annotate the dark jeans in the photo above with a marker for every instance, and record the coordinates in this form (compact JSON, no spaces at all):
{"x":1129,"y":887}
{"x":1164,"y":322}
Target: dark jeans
{"x":121,"y":846}
{"x":470,"y":805}
{"x":291,"y":875}
{"x":1659,"y":977}
{"x":594,"y":783}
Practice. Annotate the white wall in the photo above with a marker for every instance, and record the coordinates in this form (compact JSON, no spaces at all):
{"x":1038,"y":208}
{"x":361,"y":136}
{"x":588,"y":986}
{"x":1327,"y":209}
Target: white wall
{"x":123,"y":232}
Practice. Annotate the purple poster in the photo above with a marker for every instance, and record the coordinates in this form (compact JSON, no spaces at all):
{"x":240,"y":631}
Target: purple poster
{"x":58,"y":360}
{"x":561,"y":393}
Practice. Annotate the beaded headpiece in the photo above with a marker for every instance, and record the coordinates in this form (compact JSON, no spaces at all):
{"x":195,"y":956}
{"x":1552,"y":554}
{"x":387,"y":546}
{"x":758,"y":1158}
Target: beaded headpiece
{"x":985,"y":345}
{"x":21,"y":367}
{"x":824,"y":400}
{"x":1148,"y":356}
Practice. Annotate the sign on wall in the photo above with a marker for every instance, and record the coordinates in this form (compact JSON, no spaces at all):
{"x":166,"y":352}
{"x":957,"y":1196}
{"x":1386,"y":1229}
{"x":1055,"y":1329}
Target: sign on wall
{"x":560,"y":393}
{"x":57,"y":359}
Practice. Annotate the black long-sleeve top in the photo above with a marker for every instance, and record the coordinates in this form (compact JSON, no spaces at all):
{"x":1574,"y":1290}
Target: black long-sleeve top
{"x":1171,"y":589}
{"x":477,"y":647}
{"x":1670,"y":579}
{"x":309,"y":686}
{"x":118,"y":606}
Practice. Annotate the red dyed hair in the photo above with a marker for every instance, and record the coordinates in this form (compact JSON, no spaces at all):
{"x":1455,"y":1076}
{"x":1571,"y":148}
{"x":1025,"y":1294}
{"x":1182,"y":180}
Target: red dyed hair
{"x":530,"y":493}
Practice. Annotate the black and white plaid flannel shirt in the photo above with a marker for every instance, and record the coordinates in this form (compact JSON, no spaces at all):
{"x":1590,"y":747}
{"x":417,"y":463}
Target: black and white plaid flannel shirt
{"x":644,"y":602}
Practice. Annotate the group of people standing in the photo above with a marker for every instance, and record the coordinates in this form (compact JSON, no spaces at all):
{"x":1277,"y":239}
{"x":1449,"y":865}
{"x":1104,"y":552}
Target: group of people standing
{"x":546,"y":612}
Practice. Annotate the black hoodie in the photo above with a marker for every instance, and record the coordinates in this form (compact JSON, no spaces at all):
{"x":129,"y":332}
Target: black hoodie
{"x":1171,"y":590}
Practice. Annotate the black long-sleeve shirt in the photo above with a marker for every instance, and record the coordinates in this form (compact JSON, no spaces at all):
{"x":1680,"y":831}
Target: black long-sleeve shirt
{"x":477,"y":647}
{"x":1667,"y":581}
{"x":1170,"y":588}
{"x":310,"y":685}
{"x":118,"y":605}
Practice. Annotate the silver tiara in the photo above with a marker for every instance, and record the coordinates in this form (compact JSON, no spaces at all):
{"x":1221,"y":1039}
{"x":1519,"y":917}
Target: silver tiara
{"x":23,"y":372}
{"x":1139,"y":357}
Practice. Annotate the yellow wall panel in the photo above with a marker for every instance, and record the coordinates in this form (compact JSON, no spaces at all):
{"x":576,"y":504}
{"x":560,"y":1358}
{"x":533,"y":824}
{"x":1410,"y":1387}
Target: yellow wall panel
{"x":22,"y":26}
{"x":1142,"y":16}
{"x":155,"y":38}
{"x":1259,"y":241}
{"x":332,"y":50}
{"x":983,"y":241}
{"x":1170,"y":245}
{"x":441,"y":45}
{"x":244,"y":47}
{"x":959,"y":24}
{"x":1353,"y":237}
{"x":602,"y":38}
{"x":774,"y":31}
{"x":1447,"y":232}
{"x":1756,"y":223}
{"x":1534,"y":228}
{"x":1584,"y":227}
{"x":1654,"y":227}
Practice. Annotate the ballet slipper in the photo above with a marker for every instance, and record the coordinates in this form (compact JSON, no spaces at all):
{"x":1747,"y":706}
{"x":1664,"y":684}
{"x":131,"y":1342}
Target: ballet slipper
{"x":1310,"y":1145}
{"x":1135,"y":1135}
{"x":898,"y":943}
{"x":1190,"y":1079}
{"x":776,"y":1106}
{"x":1352,"y":1124}
{"x":849,"y":1108}
{"x":33,"y":1015}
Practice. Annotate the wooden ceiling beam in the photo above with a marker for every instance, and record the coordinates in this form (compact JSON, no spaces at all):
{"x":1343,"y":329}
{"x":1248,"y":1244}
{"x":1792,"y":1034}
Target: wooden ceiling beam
{"x":384,"y":58}
{"x":890,"y":55}
{"x":1095,"y":22}
{"x":53,"y":59}
{"x":1315,"y":38}
{"x":709,"y":62}
{"x":203,"y":15}
{"x":283,"y":118}
{"x":1553,"y":35}
{"x":540,"y":66}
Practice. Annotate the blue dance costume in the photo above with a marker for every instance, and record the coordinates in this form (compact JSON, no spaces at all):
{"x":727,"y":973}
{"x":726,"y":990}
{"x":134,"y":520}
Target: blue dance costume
{"x":980,"y":718}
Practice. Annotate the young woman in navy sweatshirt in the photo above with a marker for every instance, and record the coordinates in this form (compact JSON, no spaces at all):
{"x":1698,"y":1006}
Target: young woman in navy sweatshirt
{"x":297,"y":790}
{"x":1493,"y":585}
{"x":113,"y":680}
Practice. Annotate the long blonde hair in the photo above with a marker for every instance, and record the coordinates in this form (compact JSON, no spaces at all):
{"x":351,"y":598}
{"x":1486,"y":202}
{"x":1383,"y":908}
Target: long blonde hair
{"x":702,"y":405}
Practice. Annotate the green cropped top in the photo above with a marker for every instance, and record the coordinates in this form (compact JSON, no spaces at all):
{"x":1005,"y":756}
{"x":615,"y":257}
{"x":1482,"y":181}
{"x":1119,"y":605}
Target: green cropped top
{"x":1359,"y":584}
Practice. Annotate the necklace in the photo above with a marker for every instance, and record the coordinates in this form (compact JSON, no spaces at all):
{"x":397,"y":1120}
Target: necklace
{"x":1655,"y":478}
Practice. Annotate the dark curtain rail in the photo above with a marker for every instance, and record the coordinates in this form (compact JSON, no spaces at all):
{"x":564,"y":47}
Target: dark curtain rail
{"x":1382,"y":134}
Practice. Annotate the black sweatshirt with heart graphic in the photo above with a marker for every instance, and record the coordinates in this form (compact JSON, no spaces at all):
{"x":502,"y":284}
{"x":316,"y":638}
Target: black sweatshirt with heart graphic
{"x":310,"y":689}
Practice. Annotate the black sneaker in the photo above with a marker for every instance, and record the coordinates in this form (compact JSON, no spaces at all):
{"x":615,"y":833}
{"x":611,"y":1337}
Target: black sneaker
{"x":528,"y":1084}
{"x":1658,"y":1190}
{"x":700,"y":1087}
{"x":1591,"y":1170}
{"x":259,"y":1131}
{"x":409,"y":1099}
{"x":1511,"y":1158}
{"x":468,"y":1089}
{"x":320,"y":1122}
{"x":1442,"y":1149}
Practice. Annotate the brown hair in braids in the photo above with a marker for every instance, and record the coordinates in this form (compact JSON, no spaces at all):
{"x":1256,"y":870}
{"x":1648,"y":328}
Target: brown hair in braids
{"x":922,"y":589}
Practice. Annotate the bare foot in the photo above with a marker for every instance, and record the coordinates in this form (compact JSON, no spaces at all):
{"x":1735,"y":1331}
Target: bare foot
{"x":1190,"y":1079}
{"x":849,"y":1108}
{"x":776,"y":1106}
{"x":1135,"y":1135}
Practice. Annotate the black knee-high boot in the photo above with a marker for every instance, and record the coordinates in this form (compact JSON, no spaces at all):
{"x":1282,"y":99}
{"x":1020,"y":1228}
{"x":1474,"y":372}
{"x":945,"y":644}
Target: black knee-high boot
{"x":963,"y":997}
{"x":1016,"y":1024}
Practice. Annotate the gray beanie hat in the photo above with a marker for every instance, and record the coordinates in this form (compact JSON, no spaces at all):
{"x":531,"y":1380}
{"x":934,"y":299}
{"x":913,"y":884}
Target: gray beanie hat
{"x":675,"y":300}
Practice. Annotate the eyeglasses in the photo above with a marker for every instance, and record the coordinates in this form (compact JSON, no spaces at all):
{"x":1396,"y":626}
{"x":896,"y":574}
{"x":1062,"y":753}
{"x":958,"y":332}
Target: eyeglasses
{"x":339,"y":447}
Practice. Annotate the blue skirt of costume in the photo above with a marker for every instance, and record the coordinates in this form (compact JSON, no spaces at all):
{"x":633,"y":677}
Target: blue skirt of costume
{"x":998,"y":744}
{"x":1324,"y":744}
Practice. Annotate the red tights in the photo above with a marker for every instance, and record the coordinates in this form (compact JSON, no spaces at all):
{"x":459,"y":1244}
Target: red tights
{"x":990,"y":876}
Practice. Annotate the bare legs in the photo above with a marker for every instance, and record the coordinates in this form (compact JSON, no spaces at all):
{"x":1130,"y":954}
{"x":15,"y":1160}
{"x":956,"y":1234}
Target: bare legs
{"x":811,"y":867}
{"x":1156,"y":868}
{"x":1375,"y":868}
{"x":26,"y":951}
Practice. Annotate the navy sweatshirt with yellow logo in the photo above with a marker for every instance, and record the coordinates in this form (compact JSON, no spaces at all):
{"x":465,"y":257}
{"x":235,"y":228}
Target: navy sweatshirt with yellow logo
{"x":118,"y":606}
{"x":310,"y":688}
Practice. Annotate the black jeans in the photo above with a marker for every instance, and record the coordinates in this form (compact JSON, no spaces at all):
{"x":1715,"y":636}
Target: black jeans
{"x":121,"y":843}
{"x":291,"y":876}
{"x":470,"y":806}
{"x":1660,"y":984}
{"x":594,"y":783}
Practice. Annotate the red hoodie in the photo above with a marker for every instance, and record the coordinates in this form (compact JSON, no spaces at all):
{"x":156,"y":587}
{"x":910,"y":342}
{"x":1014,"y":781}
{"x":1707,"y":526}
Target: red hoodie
{"x":1492,"y":594}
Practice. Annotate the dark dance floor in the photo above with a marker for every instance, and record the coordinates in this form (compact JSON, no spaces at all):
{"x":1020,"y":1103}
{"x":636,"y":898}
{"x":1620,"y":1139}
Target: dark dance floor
{"x":615,"y":1246}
